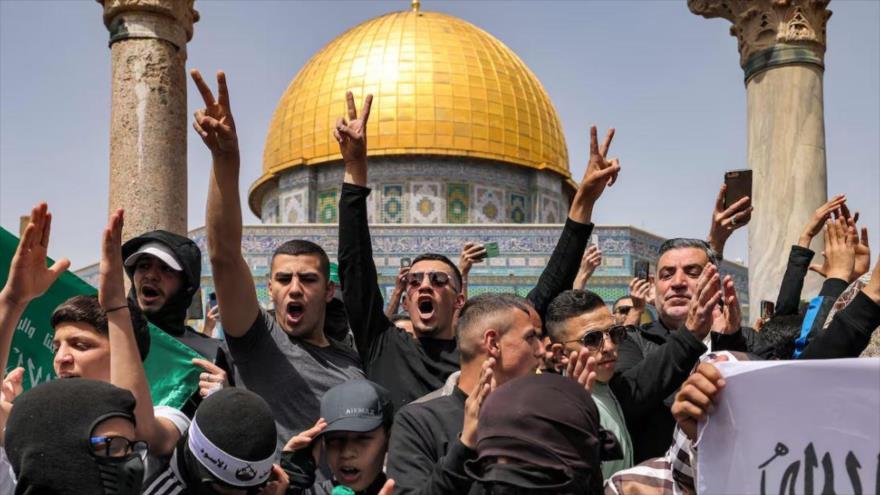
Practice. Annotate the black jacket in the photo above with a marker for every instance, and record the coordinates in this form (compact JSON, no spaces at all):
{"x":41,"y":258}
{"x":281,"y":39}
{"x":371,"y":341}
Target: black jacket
{"x":651,"y":430}
{"x":172,"y":318}
{"x":789,"y":299}
{"x":425,"y":456}
{"x":848,"y":333}
{"x":642,"y":388}
{"x":407,"y":367}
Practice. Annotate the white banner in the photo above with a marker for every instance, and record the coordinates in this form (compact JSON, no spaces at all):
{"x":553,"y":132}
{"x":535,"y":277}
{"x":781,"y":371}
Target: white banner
{"x":793,"y":427}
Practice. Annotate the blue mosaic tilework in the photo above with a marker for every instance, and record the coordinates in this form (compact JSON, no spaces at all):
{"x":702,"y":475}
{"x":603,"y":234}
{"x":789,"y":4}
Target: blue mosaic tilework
{"x":392,"y":203}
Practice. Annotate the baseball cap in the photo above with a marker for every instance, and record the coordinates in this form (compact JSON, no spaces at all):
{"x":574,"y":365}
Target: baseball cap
{"x":356,"y":405}
{"x":158,"y":250}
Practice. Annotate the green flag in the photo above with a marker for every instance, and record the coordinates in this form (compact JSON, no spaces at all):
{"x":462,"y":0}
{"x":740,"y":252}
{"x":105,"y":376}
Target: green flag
{"x":169,"y":370}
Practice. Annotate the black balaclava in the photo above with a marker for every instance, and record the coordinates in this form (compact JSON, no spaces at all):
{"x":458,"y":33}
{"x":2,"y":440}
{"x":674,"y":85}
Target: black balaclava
{"x":172,"y":317}
{"x":237,"y":448}
{"x":549,"y":425}
{"x":47,"y":440}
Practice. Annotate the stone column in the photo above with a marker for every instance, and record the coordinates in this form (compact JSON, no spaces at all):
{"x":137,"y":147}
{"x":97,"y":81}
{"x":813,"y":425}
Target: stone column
{"x":782,"y":47}
{"x":148,"y":117}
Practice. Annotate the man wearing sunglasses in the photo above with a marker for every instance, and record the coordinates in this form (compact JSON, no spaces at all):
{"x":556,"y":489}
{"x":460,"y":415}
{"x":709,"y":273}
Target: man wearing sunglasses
{"x":410,"y":368}
{"x":578,"y":321}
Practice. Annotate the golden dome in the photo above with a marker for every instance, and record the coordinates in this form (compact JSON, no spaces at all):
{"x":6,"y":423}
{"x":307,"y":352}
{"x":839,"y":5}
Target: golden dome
{"x":441,"y":86}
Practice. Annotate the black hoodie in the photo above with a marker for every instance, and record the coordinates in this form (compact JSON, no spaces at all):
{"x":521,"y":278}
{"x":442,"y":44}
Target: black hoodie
{"x":47,"y":435}
{"x":172,"y":318}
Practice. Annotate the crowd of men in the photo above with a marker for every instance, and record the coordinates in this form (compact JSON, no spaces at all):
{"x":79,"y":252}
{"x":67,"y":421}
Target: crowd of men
{"x":500,"y":394}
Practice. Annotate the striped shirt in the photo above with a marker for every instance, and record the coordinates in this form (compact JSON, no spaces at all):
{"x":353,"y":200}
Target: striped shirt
{"x":167,"y":482}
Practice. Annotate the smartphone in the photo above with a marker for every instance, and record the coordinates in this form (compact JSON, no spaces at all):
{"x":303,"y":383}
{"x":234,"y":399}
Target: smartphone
{"x":196,"y":310}
{"x":767,"y":308}
{"x":739,"y":185}
{"x":491,"y":249}
{"x":641,"y":269}
{"x":594,"y":240}
{"x":405,"y":262}
{"x":212,"y":300}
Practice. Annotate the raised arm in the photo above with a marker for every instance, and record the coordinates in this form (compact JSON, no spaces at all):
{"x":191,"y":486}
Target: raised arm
{"x":351,"y":134}
{"x":126,"y":367}
{"x":639,"y":293}
{"x":470,"y":253}
{"x":397,"y":293}
{"x":850,"y":329}
{"x":562,"y":267}
{"x":357,"y":270}
{"x":726,"y":220}
{"x":29,"y":277}
{"x":788,"y":301}
{"x":591,"y":260}
{"x":232,"y":276}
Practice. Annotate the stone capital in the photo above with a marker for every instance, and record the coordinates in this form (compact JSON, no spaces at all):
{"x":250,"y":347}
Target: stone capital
{"x":772,"y":32}
{"x":171,"y":20}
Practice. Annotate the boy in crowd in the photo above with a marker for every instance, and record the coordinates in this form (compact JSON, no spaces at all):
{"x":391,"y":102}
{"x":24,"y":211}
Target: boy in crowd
{"x":354,"y":428}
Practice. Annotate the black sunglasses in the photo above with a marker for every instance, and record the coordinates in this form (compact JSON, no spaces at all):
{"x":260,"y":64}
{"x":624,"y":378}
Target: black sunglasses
{"x":438,"y":279}
{"x":622,"y":310}
{"x":594,"y":339}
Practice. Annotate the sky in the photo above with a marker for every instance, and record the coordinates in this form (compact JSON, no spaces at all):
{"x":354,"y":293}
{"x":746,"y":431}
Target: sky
{"x":669,"y":81}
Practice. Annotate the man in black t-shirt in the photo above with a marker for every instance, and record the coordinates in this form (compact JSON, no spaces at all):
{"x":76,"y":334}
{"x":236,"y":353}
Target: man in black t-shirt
{"x":407,"y":367}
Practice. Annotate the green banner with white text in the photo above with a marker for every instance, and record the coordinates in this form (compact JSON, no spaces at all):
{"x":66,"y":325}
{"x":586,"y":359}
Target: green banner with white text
{"x":169,"y":370}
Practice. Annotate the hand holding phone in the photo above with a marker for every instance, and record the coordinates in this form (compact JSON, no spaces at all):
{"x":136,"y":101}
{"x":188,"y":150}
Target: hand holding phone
{"x":491,"y":249}
{"x":739,"y":185}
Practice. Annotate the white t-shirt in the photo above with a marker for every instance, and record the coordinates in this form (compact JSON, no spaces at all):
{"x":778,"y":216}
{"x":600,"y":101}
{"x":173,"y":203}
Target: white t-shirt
{"x":153,"y":463}
{"x":7,"y":475}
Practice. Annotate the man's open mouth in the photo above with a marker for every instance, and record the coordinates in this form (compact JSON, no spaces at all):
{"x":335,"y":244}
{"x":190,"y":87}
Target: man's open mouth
{"x":426,"y":307}
{"x":150,"y":293}
{"x":294,"y":312}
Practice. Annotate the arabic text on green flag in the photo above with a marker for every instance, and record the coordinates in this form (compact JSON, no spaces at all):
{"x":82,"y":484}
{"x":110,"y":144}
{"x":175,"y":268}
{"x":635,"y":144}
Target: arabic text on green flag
{"x":169,"y":370}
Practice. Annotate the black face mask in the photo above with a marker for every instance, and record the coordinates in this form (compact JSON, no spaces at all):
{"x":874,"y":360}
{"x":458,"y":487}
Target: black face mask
{"x":121,"y":475}
{"x":515,"y":479}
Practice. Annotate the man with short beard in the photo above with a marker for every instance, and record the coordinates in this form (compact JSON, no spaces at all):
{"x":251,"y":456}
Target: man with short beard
{"x":679,"y":267}
{"x":407,"y":367}
{"x":165,"y":271}
{"x":284,"y":355}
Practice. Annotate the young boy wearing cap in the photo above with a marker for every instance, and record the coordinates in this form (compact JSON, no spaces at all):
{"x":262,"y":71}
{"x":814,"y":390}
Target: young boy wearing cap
{"x":355,"y":424}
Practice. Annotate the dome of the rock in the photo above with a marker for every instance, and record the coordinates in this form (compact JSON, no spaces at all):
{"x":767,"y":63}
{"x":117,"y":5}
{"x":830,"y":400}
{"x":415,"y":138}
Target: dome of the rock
{"x":453,"y":108}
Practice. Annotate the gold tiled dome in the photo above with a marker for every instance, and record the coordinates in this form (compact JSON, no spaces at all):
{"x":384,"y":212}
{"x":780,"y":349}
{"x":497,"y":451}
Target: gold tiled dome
{"x":441,"y":86}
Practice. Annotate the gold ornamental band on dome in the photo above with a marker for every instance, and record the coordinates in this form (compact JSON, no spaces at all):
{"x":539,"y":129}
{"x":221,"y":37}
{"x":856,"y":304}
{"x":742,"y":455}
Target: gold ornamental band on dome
{"x":442,"y":87}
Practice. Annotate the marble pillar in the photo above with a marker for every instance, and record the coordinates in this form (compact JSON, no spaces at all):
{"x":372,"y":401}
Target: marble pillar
{"x":148,"y":129}
{"x":782,"y":48}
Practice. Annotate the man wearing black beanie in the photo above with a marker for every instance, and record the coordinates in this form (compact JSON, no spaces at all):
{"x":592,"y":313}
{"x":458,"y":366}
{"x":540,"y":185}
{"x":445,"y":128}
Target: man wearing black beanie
{"x":75,"y":436}
{"x":229,"y":448}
